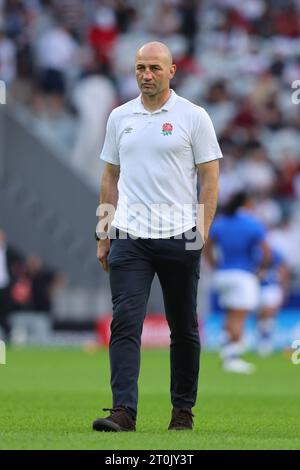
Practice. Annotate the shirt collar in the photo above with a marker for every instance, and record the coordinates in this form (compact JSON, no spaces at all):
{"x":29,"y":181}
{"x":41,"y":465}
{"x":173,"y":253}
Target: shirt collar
{"x":138,"y":107}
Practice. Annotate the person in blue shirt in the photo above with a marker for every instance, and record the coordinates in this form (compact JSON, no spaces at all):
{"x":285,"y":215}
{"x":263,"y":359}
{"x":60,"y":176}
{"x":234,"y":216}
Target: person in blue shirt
{"x":274,"y":281}
{"x":236,"y":240}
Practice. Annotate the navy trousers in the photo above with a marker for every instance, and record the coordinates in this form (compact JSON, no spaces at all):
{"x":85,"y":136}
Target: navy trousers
{"x":132,"y":266}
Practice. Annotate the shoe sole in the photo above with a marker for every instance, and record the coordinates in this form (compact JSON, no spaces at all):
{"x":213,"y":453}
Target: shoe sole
{"x":105,"y":425}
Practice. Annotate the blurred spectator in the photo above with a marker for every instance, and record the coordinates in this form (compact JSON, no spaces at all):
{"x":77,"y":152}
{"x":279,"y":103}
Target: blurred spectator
{"x":285,"y":185}
{"x":257,"y":172}
{"x":10,"y":263}
{"x":292,"y":70}
{"x":263,"y":26}
{"x":287,"y":21}
{"x":219,"y":103}
{"x":230,"y":182}
{"x":165,"y":19}
{"x":126,"y":15}
{"x":278,"y":65}
{"x":21,"y":291}
{"x":188,"y":10}
{"x":56,"y":57}
{"x":4,"y":284}
{"x":43,"y":282}
{"x":17,"y":21}
{"x":71,"y":14}
{"x":24,"y":285}
{"x":53,"y":118}
{"x":296,"y":185}
{"x":94,"y":97}
{"x":268,"y":210}
{"x":103,"y":33}
{"x":285,"y":236}
{"x":264,"y":93}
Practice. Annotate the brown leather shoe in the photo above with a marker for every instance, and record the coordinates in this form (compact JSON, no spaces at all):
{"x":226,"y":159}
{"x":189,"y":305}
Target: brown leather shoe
{"x":182,"y":419}
{"x":118,"y":420}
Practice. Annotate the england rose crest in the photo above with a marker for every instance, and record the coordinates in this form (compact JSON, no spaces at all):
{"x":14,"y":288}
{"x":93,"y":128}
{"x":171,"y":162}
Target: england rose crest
{"x":167,"y":128}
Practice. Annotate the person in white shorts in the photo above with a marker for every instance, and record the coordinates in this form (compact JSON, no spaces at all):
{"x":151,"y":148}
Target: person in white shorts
{"x":236,"y":238}
{"x":274,"y":282}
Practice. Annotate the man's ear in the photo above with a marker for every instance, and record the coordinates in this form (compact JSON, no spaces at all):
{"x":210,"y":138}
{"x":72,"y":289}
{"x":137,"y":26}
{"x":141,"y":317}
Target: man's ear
{"x":172,"y":71}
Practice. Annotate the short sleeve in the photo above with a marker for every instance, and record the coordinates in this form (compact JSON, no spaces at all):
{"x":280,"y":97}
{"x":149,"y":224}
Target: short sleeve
{"x":110,"y":152}
{"x":204,"y":140}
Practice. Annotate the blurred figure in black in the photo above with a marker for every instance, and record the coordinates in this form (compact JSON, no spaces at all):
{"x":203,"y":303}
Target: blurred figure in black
{"x":189,"y":28}
{"x":43,"y":281}
{"x":10,"y":263}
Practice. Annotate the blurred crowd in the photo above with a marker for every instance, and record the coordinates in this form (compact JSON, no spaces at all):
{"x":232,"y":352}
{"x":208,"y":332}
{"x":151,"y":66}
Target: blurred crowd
{"x":26,"y":284}
{"x":70,"y":62}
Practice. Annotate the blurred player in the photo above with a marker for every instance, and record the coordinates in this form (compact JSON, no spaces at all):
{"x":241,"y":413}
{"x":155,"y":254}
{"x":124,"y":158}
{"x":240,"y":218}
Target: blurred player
{"x":236,"y":238}
{"x":274,"y":281}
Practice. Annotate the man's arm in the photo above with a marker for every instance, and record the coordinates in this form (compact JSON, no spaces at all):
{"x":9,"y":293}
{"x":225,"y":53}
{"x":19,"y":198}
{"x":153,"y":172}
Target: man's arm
{"x":266,"y":254}
{"x":107,"y":204}
{"x":208,"y":253}
{"x":109,"y":186}
{"x":208,"y":174}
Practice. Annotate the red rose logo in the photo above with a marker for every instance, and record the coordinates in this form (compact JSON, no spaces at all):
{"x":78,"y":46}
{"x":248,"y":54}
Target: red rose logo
{"x":167,"y":128}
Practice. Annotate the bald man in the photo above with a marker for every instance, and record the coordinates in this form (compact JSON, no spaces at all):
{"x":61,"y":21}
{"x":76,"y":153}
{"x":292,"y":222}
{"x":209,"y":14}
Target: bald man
{"x":155,"y":148}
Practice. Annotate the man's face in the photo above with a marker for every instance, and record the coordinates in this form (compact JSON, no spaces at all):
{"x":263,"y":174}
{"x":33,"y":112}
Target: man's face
{"x":153,"y":73}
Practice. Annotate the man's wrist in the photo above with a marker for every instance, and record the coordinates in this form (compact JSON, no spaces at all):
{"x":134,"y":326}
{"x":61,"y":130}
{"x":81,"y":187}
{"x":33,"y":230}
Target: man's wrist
{"x":201,"y":232}
{"x":101,"y":236}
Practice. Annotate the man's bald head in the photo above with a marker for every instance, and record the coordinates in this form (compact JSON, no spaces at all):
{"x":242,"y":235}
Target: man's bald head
{"x":155,"y":49}
{"x":154,"y":70}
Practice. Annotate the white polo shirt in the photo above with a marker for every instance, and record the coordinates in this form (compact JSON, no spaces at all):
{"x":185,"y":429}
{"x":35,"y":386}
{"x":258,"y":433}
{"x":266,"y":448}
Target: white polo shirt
{"x":157,"y":153}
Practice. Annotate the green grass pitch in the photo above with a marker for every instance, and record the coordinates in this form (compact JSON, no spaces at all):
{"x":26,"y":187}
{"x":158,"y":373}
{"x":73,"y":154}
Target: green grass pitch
{"x":48,"y":399}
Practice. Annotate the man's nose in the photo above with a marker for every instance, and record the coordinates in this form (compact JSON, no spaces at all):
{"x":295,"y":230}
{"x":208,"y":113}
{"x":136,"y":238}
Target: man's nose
{"x":147,"y":75}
